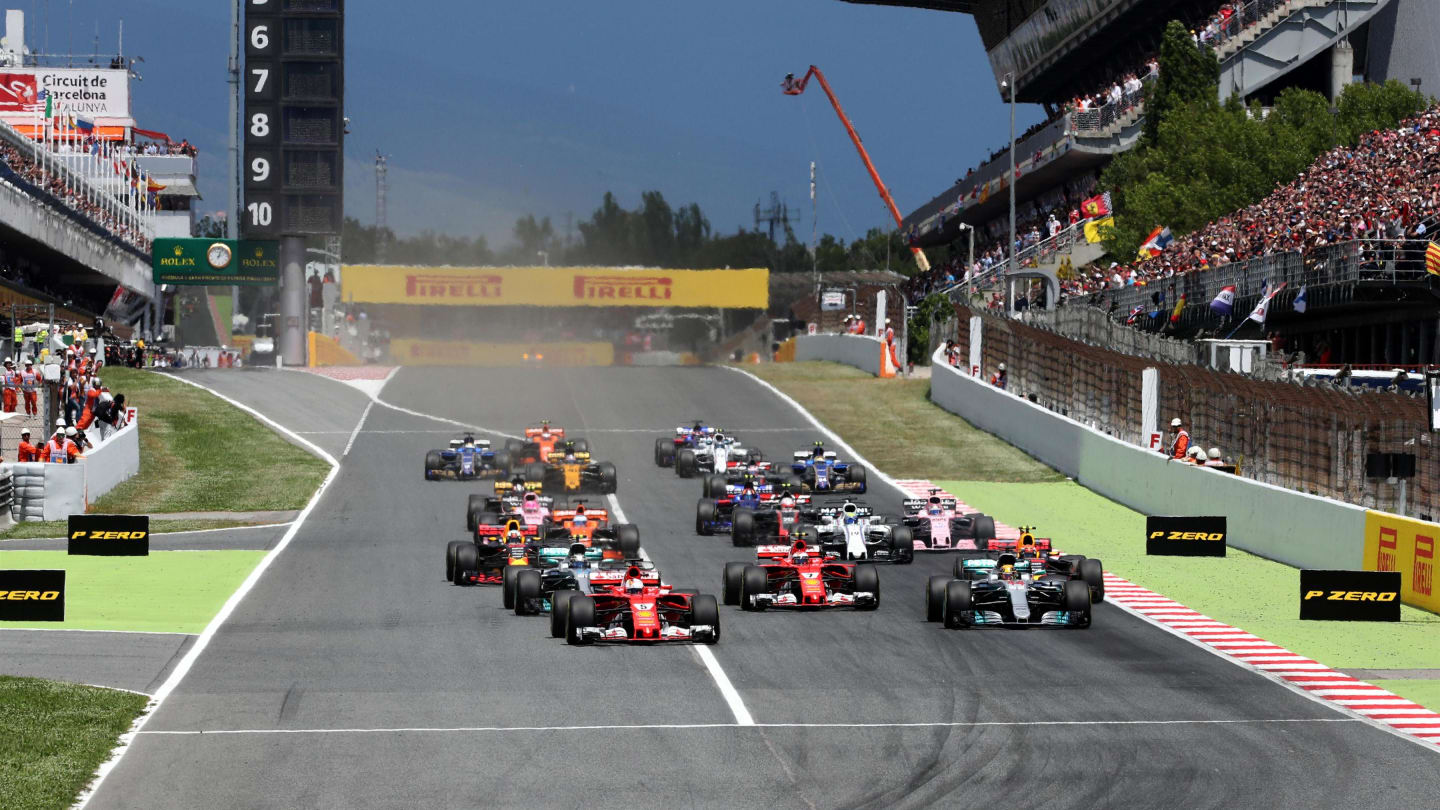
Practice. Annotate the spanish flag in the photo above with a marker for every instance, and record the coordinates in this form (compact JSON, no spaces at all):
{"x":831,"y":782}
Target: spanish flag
{"x":1179,"y":308}
{"x":1432,"y":259}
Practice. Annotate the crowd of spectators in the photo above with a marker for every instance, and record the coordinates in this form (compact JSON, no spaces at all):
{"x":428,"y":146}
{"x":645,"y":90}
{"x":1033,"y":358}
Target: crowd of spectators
{"x":1385,"y":188}
{"x":23,"y":165}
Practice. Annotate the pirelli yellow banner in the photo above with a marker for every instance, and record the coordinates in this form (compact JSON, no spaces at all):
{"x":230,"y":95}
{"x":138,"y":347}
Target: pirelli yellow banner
{"x":408,"y":352}
{"x":1394,"y":543}
{"x":555,"y":287}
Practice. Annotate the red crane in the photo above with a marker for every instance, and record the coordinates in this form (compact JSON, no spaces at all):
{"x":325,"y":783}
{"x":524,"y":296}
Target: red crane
{"x":794,"y":87}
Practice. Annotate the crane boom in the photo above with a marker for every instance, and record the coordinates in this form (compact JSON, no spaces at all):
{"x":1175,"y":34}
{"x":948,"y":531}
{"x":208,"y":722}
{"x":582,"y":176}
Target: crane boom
{"x":794,"y":87}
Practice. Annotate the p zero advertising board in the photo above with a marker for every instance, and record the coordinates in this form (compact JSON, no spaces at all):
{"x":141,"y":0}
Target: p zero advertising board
{"x":110,"y":535}
{"x":1366,"y":596}
{"x":32,"y":595}
{"x":556,"y":287}
{"x":1188,"y":536}
{"x":1394,"y":543}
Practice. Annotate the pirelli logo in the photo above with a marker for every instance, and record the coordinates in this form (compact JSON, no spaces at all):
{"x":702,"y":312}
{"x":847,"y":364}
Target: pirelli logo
{"x":1422,"y":573}
{"x":110,"y":535}
{"x":1387,"y":557}
{"x":433,"y":286}
{"x":623,"y":287}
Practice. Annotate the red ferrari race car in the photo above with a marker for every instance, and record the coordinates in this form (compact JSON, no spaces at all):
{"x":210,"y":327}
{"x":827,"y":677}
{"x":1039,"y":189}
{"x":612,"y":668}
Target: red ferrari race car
{"x":633,"y":609}
{"x":799,"y":576}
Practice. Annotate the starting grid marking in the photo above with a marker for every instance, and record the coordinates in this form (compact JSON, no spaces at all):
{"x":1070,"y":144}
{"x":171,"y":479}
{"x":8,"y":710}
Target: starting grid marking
{"x":1305,"y":674}
{"x":921,"y":489}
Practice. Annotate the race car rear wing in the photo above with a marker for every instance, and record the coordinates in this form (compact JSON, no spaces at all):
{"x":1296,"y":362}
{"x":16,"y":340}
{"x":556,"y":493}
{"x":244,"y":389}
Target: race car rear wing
{"x":832,"y":511}
{"x":616,"y":576}
{"x":917,"y":505}
{"x":567,"y":516}
{"x":487,"y":530}
{"x":534,"y":432}
{"x":506,"y":486}
{"x":559,"y":456}
{"x":806,"y":455}
{"x":774,"y":552}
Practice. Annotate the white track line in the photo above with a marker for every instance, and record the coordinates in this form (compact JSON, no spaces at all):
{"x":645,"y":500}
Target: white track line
{"x":203,"y":640}
{"x":375,"y":398}
{"x":686,"y":726}
{"x":707,"y":657}
{"x":356,"y":432}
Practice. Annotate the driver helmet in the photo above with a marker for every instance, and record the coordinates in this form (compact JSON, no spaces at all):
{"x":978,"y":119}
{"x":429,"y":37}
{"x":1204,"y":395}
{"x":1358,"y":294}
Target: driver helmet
{"x":577,"y":560}
{"x":469,"y":441}
{"x":787,"y":500}
{"x":850,"y":516}
{"x":569,"y":454}
{"x":719,"y":437}
{"x":935,"y":506}
{"x":699,"y":427}
{"x":800,"y":557}
{"x":749,"y":488}
{"x":531,"y":499}
{"x":514,"y":535}
{"x":580,"y":519}
{"x":1007,"y":569}
{"x":633,"y":583}
{"x":819,"y":452}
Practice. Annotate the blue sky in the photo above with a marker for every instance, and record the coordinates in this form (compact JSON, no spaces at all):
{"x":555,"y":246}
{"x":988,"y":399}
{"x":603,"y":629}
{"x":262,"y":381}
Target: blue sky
{"x":489,"y":110}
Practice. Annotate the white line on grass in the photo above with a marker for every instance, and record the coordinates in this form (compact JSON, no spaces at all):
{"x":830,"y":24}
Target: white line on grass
{"x":707,"y":657}
{"x":706,"y":726}
{"x":203,"y":640}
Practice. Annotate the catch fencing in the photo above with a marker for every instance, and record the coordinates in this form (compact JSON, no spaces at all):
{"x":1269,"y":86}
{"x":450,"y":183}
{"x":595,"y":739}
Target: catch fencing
{"x":1309,"y":438}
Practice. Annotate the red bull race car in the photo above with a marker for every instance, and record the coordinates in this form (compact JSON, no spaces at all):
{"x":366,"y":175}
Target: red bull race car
{"x":494,"y":550}
{"x":799,"y":576}
{"x":630,"y":607}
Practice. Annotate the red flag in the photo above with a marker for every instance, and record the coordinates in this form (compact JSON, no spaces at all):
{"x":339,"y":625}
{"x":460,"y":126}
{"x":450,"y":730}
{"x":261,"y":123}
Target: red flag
{"x":1097,"y":206}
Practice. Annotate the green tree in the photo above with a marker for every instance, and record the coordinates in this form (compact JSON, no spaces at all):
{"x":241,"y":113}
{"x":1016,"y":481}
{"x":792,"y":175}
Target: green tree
{"x":1188,"y":74}
{"x":1367,"y":107}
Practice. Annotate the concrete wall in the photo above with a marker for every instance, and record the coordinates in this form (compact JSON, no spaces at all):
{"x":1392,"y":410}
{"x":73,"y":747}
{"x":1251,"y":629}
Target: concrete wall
{"x":859,"y":351}
{"x":54,"y":230}
{"x":67,"y":489}
{"x":1302,"y":530}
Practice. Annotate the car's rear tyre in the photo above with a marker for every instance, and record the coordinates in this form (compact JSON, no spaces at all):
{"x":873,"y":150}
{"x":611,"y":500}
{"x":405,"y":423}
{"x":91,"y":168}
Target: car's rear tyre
{"x":753,"y":582}
{"x":450,"y":549}
{"x":703,"y":610}
{"x":742,"y":527}
{"x":467,"y":558}
{"x":664,"y":453}
{"x":685,"y":463}
{"x":609,"y":478}
{"x":1076,"y":598}
{"x":959,"y":571}
{"x":527,"y":590}
{"x":867,"y":578}
{"x":959,"y":601}
{"x":984,"y":531}
{"x":627,"y":540}
{"x":1092,"y":572}
{"x":705,"y":517}
{"x":856,"y":475}
{"x":580,"y":445}
{"x":902,"y":545}
{"x":507,"y":585}
{"x":935,"y":597}
{"x":713,"y":486}
{"x":559,"y":610}
{"x":730,"y":582}
{"x":534,"y":472}
{"x":580,"y":612}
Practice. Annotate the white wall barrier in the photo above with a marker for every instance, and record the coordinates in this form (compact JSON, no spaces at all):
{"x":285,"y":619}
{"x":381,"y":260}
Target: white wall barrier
{"x":56,"y":491}
{"x":1291,"y":527}
{"x":859,"y":351}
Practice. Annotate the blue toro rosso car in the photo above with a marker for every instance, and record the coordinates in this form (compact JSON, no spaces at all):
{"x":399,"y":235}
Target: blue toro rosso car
{"x":716,"y":513}
{"x":818,"y":470}
{"x":466,"y":458}
{"x":685,"y":438}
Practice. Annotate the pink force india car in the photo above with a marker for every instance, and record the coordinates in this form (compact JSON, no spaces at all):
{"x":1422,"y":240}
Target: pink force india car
{"x":937,"y":525}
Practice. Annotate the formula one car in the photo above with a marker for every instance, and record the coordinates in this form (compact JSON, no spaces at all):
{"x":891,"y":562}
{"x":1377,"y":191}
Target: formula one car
{"x":666,"y":447}
{"x":572,"y":470}
{"x":712,"y":484}
{"x":937,"y":526}
{"x":800,"y":576}
{"x":538,"y":444}
{"x":715,"y":453}
{"x":771,"y":520}
{"x":631,"y":608}
{"x":528,"y":591}
{"x":714,"y":514}
{"x":517,"y":498}
{"x":818,"y":470}
{"x":466,"y":458}
{"x":591,"y":528}
{"x":1019,"y":590}
{"x":494,"y":549}
{"x":848,"y":530}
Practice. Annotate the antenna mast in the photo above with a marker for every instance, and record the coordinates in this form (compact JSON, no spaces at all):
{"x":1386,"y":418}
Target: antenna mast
{"x":380,"y":224}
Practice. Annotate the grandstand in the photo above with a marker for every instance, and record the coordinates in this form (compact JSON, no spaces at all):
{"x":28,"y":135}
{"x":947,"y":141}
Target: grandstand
{"x":1088,"y":61}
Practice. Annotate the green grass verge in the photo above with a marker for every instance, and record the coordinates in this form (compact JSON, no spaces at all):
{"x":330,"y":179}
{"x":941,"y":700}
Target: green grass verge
{"x":58,"y":528}
{"x":894,"y":424}
{"x":168,"y":591}
{"x":1424,"y":692}
{"x":56,"y":735}
{"x":1243,"y":590}
{"x":199,"y":453}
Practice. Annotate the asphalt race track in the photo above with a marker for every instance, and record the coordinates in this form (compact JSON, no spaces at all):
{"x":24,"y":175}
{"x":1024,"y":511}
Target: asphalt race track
{"x":354,"y":676}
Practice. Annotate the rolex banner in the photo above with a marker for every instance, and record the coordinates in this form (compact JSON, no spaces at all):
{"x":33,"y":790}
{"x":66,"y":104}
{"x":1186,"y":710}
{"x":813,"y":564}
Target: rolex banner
{"x":215,"y":261}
